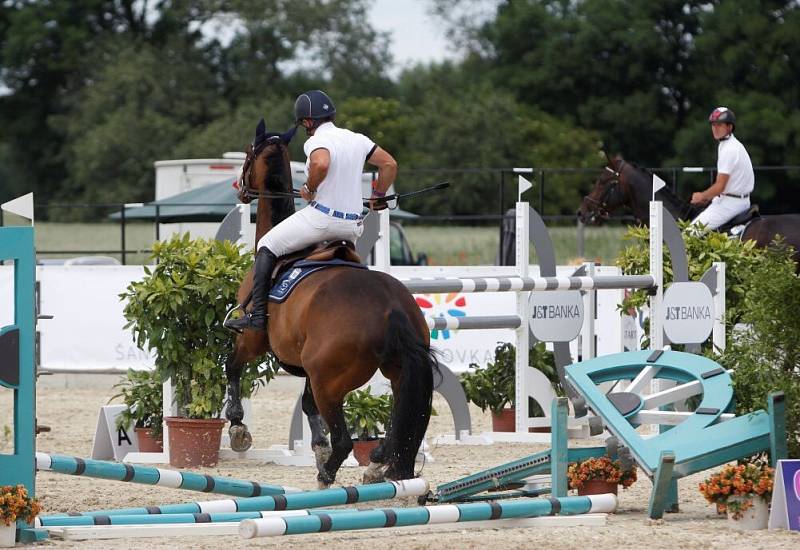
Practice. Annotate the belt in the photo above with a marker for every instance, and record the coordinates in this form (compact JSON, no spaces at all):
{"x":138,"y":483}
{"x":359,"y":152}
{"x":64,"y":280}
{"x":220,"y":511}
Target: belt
{"x":736,"y":196}
{"x":335,"y":213}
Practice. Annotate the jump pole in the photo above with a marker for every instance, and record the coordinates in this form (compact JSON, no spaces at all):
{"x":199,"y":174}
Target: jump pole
{"x":424,"y":515}
{"x":175,"y":479}
{"x":335,"y":496}
{"x":161,"y":519}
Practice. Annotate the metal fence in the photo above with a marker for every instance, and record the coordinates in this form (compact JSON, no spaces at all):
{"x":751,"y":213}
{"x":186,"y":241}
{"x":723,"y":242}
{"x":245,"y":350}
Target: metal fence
{"x":547,"y":184}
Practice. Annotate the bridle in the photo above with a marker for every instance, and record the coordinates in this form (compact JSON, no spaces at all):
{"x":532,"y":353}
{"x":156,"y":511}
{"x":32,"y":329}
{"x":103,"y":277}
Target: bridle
{"x":612,"y":186}
{"x":245,"y":188}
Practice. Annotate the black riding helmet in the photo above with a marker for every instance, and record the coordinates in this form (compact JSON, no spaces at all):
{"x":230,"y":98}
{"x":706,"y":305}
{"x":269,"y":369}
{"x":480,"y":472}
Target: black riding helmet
{"x":314,"y":104}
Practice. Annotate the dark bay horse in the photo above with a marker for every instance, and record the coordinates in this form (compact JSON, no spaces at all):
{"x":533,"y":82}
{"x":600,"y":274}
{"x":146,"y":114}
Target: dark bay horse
{"x":624,"y":185}
{"x":336,"y":329}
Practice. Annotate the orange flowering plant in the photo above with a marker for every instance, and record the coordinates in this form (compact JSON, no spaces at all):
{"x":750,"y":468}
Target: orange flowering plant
{"x":747,"y":480}
{"x":16,"y":504}
{"x":602,"y":468}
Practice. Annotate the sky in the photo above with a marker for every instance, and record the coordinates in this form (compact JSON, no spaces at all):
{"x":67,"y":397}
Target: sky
{"x":416,"y":36}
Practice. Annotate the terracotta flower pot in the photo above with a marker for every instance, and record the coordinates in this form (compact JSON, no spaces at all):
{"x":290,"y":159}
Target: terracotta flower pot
{"x":597,"y":487}
{"x":193,"y":441}
{"x":148,"y":443}
{"x":504,"y":421}
{"x":362,"y":448}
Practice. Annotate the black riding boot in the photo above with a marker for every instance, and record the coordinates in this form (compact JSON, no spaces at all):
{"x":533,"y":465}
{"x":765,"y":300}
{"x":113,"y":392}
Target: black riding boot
{"x":257,"y":318}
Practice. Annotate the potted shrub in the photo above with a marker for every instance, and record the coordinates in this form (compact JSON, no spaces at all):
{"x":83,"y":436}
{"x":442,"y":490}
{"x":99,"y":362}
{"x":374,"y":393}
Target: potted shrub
{"x":599,"y":475}
{"x":15,"y":504}
{"x":177,"y":310}
{"x":142,"y":393}
{"x":743,"y":491}
{"x":492,"y":387}
{"x":367,"y":416}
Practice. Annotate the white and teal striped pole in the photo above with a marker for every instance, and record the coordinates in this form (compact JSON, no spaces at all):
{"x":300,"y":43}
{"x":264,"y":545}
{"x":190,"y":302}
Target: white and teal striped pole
{"x":335,"y":496}
{"x":161,"y":519}
{"x":146,"y":475}
{"x":423,"y":515}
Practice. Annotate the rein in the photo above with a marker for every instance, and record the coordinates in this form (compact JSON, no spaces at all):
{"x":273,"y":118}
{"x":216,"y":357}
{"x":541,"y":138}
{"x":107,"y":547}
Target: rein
{"x":602,"y":203}
{"x":246,"y":190}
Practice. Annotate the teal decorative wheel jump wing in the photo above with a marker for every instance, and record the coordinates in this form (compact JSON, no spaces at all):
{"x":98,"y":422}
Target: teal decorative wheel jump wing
{"x":616,"y":388}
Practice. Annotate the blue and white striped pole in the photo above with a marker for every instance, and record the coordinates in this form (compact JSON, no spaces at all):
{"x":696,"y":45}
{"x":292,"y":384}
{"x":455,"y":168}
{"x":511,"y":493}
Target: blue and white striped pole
{"x":447,"y":513}
{"x":335,"y":496}
{"x":160,"y":519}
{"x":157,"y":476}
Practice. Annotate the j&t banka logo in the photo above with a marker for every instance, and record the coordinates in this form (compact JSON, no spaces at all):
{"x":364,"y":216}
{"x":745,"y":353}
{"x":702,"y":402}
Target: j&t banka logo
{"x":442,"y":305}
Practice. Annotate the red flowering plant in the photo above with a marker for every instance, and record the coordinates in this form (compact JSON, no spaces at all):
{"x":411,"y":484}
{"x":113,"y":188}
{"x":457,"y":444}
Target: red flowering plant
{"x":747,"y":480}
{"x":16,"y":504}
{"x":601,"y":468}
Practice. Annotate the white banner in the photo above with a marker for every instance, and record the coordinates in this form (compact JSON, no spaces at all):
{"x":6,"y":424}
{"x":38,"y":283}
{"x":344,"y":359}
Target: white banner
{"x":86,"y":332}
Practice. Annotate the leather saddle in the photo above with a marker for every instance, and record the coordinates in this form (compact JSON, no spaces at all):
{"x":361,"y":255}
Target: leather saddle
{"x":740,"y":219}
{"x":322,"y":252}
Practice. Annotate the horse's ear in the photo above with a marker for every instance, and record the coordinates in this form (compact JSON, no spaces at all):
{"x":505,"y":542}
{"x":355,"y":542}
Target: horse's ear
{"x":287,"y":136}
{"x":261,"y":129}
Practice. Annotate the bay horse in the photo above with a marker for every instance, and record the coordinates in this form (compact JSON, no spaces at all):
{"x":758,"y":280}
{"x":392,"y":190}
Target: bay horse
{"x":624,"y":185}
{"x":337,"y":328}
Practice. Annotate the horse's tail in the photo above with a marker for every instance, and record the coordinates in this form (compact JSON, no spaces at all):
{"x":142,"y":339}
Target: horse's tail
{"x":412,"y":408}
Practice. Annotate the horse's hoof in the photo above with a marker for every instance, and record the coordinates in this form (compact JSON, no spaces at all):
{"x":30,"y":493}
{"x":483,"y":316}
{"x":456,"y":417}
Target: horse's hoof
{"x":321,"y":454}
{"x":374,"y":473}
{"x":241,"y":440}
{"x":324,"y":481}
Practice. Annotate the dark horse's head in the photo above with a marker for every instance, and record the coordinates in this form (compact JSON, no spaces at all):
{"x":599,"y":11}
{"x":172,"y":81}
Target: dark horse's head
{"x":625,"y":186}
{"x":266,"y":174}
{"x":610,"y":193}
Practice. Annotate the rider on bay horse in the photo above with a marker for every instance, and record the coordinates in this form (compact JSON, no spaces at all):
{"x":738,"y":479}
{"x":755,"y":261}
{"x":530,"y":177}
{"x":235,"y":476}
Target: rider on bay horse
{"x":730,"y":193}
{"x":334,"y":164}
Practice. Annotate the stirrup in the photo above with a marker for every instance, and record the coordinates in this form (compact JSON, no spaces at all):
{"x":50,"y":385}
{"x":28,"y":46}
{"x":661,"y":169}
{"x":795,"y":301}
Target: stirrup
{"x":228,"y":316}
{"x":247,"y":319}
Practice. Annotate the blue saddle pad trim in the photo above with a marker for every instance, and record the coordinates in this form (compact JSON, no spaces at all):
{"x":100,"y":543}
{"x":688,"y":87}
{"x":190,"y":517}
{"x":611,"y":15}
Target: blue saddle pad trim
{"x":300,"y":270}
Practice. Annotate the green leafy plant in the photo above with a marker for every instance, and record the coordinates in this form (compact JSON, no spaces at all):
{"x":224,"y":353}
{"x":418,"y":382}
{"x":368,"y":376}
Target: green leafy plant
{"x":367,"y":415}
{"x":764,"y":350}
{"x":492,"y":387}
{"x":702,"y":250}
{"x":177,"y":310}
{"x":142,"y":393}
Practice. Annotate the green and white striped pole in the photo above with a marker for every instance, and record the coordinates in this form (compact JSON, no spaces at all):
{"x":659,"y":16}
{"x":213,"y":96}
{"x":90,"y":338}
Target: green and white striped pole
{"x":423,"y":515}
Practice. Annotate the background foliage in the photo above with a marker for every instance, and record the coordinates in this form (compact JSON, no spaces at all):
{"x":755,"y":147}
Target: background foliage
{"x":93,"y":92}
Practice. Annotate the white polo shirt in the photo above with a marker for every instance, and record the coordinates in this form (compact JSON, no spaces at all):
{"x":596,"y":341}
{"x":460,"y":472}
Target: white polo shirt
{"x":732,"y":159}
{"x":341,"y":188}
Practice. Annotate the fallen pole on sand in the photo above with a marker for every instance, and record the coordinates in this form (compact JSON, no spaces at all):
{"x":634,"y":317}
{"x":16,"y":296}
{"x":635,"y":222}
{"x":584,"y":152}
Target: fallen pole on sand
{"x":147,"y":475}
{"x":296,"y":501}
{"x":423,"y":515}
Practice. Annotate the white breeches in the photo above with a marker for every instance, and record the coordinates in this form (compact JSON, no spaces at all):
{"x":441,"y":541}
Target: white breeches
{"x":721,"y":210}
{"x":306,"y":227}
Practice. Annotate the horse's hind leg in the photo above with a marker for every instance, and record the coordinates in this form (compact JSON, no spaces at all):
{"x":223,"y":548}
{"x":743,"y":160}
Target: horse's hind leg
{"x":319,"y":441}
{"x":379,"y":457}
